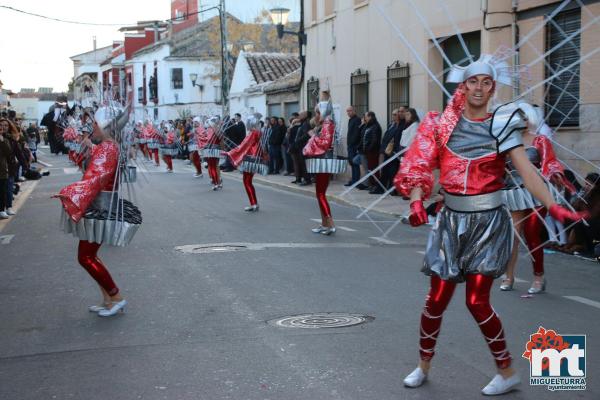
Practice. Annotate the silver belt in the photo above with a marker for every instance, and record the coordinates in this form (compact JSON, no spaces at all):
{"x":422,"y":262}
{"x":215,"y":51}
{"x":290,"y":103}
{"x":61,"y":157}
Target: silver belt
{"x":480,"y":202}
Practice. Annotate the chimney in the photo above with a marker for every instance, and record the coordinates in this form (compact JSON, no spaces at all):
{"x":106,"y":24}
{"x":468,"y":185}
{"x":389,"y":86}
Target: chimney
{"x":94,"y":39}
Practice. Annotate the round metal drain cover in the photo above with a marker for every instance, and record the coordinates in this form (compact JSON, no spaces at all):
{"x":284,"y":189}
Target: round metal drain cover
{"x":321,"y":320}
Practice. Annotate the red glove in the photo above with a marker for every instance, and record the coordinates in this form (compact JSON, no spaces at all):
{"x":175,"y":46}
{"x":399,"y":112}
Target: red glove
{"x":563,"y":215}
{"x":418,"y":215}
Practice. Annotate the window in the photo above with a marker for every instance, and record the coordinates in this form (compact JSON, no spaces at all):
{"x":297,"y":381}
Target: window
{"x":455,"y":52}
{"x":397,"y":87}
{"x":140,"y":94}
{"x":562,"y":104}
{"x":312,"y":93}
{"x":176,"y":78}
{"x":359,"y":92}
{"x":274,"y":110}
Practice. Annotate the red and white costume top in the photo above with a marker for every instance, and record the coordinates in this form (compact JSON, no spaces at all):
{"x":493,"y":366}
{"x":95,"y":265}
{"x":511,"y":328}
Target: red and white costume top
{"x":319,"y":144}
{"x":471,"y":160}
{"x":99,"y":176}
{"x":250,"y":146}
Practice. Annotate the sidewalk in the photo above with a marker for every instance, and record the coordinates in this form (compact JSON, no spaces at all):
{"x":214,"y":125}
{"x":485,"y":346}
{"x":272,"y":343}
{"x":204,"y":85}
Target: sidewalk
{"x":390,"y":205}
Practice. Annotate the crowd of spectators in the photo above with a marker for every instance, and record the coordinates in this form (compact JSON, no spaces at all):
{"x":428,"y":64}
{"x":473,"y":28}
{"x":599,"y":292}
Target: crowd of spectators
{"x":18,"y":151}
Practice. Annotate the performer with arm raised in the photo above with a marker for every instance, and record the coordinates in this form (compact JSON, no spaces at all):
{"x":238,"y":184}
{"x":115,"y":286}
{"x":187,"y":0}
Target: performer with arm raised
{"x":472,"y":238}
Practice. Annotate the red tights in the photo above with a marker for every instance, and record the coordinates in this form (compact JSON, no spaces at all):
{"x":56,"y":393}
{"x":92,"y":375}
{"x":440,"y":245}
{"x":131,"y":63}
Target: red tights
{"x":155,"y":152}
{"x":247,"y":178}
{"x":322,"y":181}
{"x":532,"y":230}
{"x":213,"y":169}
{"x":87,"y":255}
{"x":169,"y":161}
{"x":478,"y":303}
{"x":196,"y":162}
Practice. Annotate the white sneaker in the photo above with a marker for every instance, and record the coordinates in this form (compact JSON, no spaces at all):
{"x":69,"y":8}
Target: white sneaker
{"x":415,"y":378}
{"x":3,"y":215}
{"x":253,"y":208}
{"x":9,"y":211}
{"x":499,"y":385}
{"x":198,"y":175}
{"x":116,"y":307}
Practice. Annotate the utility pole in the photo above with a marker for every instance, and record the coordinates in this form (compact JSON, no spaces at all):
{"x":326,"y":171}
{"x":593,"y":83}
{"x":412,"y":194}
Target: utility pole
{"x":224,"y":59}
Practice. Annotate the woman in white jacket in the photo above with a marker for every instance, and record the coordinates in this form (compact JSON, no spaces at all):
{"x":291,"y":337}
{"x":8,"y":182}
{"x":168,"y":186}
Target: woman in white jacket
{"x":410,"y":127}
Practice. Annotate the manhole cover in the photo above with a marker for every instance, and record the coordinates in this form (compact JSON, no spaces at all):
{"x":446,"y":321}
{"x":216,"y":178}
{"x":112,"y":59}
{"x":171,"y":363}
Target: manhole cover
{"x":321,"y":320}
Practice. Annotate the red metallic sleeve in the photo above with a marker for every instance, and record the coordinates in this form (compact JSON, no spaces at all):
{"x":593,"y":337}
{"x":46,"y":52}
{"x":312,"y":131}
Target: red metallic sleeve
{"x":248,"y":146}
{"x":549,"y":163}
{"x":421,"y":158}
{"x":319,"y":144}
{"x":99,"y":176}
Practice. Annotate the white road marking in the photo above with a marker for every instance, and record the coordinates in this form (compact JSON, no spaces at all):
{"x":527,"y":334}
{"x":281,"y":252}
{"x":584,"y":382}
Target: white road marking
{"x":584,"y":301}
{"x":383,"y":240}
{"x":421,"y":252}
{"x":19,"y":201}
{"x":71,"y":171}
{"x":230,"y":247}
{"x":346,"y":229}
{"x":5,"y":239}
{"x":45,"y":164}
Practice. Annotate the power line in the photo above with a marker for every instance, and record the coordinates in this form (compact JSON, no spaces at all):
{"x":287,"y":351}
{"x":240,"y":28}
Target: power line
{"x":58,"y":19}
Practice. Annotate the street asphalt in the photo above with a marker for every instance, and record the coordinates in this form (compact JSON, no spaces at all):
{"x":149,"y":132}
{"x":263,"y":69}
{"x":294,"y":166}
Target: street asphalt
{"x":196,"y":324}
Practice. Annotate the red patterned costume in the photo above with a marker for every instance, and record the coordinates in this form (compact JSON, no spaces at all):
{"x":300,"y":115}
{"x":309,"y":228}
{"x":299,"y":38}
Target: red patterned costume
{"x":209,"y":145}
{"x":79,"y":196}
{"x":541,"y":155}
{"x":317,"y":147}
{"x":169,"y":149}
{"x":251,"y":157}
{"x":471,"y":163}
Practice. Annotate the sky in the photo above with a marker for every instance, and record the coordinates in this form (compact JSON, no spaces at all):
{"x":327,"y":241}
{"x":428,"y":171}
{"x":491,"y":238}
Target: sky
{"x":35,"y":51}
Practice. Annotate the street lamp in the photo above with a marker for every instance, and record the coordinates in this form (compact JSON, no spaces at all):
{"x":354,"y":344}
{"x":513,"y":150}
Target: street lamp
{"x":279,"y":16}
{"x":194,"y":78}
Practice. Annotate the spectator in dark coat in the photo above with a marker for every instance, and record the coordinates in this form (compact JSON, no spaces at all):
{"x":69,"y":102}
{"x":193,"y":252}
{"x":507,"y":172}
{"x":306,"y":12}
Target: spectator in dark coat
{"x":353,"y":138}
{"x":275,"y":142}
{"x":302,"y":137}
{"x":369,"y":147}
{"x":6,"y":159}
{"x":290,"y":136}
{"x":390,"y":145}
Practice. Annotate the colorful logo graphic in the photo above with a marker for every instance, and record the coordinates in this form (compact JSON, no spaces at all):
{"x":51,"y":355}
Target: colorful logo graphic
{"x":556,"y":361}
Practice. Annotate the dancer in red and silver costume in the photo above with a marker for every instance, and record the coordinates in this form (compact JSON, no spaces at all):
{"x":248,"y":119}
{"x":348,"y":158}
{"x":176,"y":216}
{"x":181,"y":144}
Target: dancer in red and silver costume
{"x":527,"y":212}
{"x":472,"y":238}
{"x":321,"y":160}
{"x":152,"y":141}
{"x":196,"y":132}
{"x":251,"y":156}
{"x":70,"y":137}
{"x":94,"y":212}
{"x":209,"y":143}
{"x":169,"y":148}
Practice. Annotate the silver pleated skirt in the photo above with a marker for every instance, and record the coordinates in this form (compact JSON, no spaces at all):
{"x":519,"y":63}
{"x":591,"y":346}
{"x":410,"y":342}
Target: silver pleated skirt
{"x":169,"y":151}
{"x":142,"y":141}
{"x":76,"y":147}
{"x":68,"y":144}
{"x":326,"y":165}
{"x":111,"y":231}
{"x":208,"y":152}
{"x":462,"y":243}
{"x":152,"y":144}
{"x":254,"y":167}
{"x":192,"y":147}
{"x":519,"y":198}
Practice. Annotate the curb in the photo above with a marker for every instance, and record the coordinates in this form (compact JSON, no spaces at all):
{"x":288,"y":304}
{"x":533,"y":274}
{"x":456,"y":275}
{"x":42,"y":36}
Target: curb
{"x":309,"y":192}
